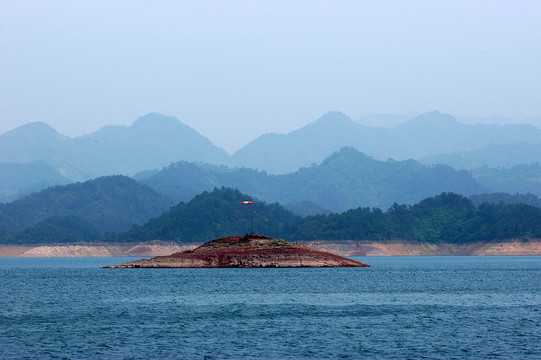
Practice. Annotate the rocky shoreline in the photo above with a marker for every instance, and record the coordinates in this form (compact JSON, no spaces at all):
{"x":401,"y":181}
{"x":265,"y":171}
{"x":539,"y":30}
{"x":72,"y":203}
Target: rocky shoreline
{"x":249,"y":251}
{"x":339,"y":247}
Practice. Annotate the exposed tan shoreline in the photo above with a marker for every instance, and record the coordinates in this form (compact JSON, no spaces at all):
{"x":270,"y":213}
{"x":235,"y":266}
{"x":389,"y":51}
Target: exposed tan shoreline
{"x":93,"y":250}
{"x":397,"y":248}
{"x":342,"y":248}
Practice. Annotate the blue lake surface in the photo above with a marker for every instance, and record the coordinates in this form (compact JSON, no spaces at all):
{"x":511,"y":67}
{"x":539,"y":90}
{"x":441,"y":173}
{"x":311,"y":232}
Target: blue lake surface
{"x":402,"y":307}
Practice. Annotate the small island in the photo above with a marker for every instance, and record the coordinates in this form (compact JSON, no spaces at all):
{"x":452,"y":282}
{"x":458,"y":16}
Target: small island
{"x":249,"y":251}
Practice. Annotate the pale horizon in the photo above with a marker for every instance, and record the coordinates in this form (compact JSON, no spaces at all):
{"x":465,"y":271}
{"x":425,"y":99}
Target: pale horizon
{"x":237,"y":70}
{"x":234,"y":146}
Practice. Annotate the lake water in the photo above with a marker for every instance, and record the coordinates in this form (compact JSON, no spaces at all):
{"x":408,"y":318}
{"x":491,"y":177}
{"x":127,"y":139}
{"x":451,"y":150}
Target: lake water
{"x":402,"y":307}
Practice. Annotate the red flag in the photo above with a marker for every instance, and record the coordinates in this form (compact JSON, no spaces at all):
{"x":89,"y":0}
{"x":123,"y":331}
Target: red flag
{"x":246,"y":202}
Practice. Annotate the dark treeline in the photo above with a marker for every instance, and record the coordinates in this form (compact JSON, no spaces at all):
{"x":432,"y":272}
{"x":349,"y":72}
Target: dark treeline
{"x":109,"y":204}
{"x":447,"y":217}
{"x":444,"y":218}
{"x":505,"y":198}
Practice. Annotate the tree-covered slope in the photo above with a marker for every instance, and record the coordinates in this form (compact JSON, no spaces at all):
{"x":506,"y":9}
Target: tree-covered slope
{"x":517,"y":179}
{"x":492,"y":156}
{"x":347,"y":179}
{"x":54,"y":230}
{"x":213,"y":215}
{"x":505,"y":198}
{"x":446,"y":217}
{"x":112,"y":203}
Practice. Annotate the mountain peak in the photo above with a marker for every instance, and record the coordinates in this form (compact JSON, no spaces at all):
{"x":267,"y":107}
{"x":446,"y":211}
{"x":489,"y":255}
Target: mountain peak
{"x":156,"y":119}
{"x":33,"y":129}
{"x":430,"y":119}
{"x":333,"y":117}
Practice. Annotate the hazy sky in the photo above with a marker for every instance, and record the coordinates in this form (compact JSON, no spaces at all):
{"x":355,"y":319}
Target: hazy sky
{"x":233,"y":70}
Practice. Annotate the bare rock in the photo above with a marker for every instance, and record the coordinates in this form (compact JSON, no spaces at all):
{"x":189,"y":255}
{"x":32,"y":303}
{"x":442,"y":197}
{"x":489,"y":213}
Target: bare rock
{"x":250,"y":251}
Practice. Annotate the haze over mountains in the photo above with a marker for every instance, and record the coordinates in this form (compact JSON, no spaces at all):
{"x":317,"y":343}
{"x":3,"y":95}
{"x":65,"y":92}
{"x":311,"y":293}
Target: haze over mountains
{"x":425,"y":135}
{"x":347,"y":179}
{"x":154,"y":141}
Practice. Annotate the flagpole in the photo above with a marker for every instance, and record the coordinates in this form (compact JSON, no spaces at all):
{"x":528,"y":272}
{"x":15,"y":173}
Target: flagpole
{"x":253,"y":212}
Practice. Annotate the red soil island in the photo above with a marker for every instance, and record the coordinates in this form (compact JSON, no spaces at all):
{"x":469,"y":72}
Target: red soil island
{"x":250,"y":251}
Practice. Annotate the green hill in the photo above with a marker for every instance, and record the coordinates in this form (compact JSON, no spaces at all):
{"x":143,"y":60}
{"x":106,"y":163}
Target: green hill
{"x":446,"y":217}
{"x":213,"y":215}
{"x":111,"y":204}
{"x":55,"y":229}
{"x":505,"y":198}
{"x":517,"y":179}
{"x":345,"y":180}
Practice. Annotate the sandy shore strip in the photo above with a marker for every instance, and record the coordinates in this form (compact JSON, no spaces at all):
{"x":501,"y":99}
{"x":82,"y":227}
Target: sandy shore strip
{"x":342,"y":248}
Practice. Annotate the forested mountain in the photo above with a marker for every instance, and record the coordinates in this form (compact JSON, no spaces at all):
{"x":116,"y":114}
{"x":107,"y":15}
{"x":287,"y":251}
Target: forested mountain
{"x":111,"y":203}
{"x":492,"y":155}
{"x":215,"y":214}
{"x":345,"y":180}
{"x":505,"y":198}
{"x":153,"y":141}
{"x":19,"y":180}
{"x":425,"y":135}
{"x":444,"y":218}
{"x":517,"y":179}
{"x":54,"y":230}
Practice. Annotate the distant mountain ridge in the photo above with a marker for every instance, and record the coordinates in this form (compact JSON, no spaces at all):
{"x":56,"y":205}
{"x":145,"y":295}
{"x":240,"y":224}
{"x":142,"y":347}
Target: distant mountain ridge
{"x":347,"y":179}
{"x":153,"y":141}
{"x":18,"y":180}
{"x":491,"y":155}
{"x":426,"y":135}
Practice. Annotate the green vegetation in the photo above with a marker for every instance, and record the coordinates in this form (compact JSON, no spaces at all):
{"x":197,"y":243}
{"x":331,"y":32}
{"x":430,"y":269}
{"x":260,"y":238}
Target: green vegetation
{"x":110,"y":204}
{"x":447,"y":217}
{"x":519,"y":178}
{"x":345,"y":180}
{"x":505,"y":198}
{"x":56,"y":229}
{"x":213,"y":215}
{"x":444,"y":218}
